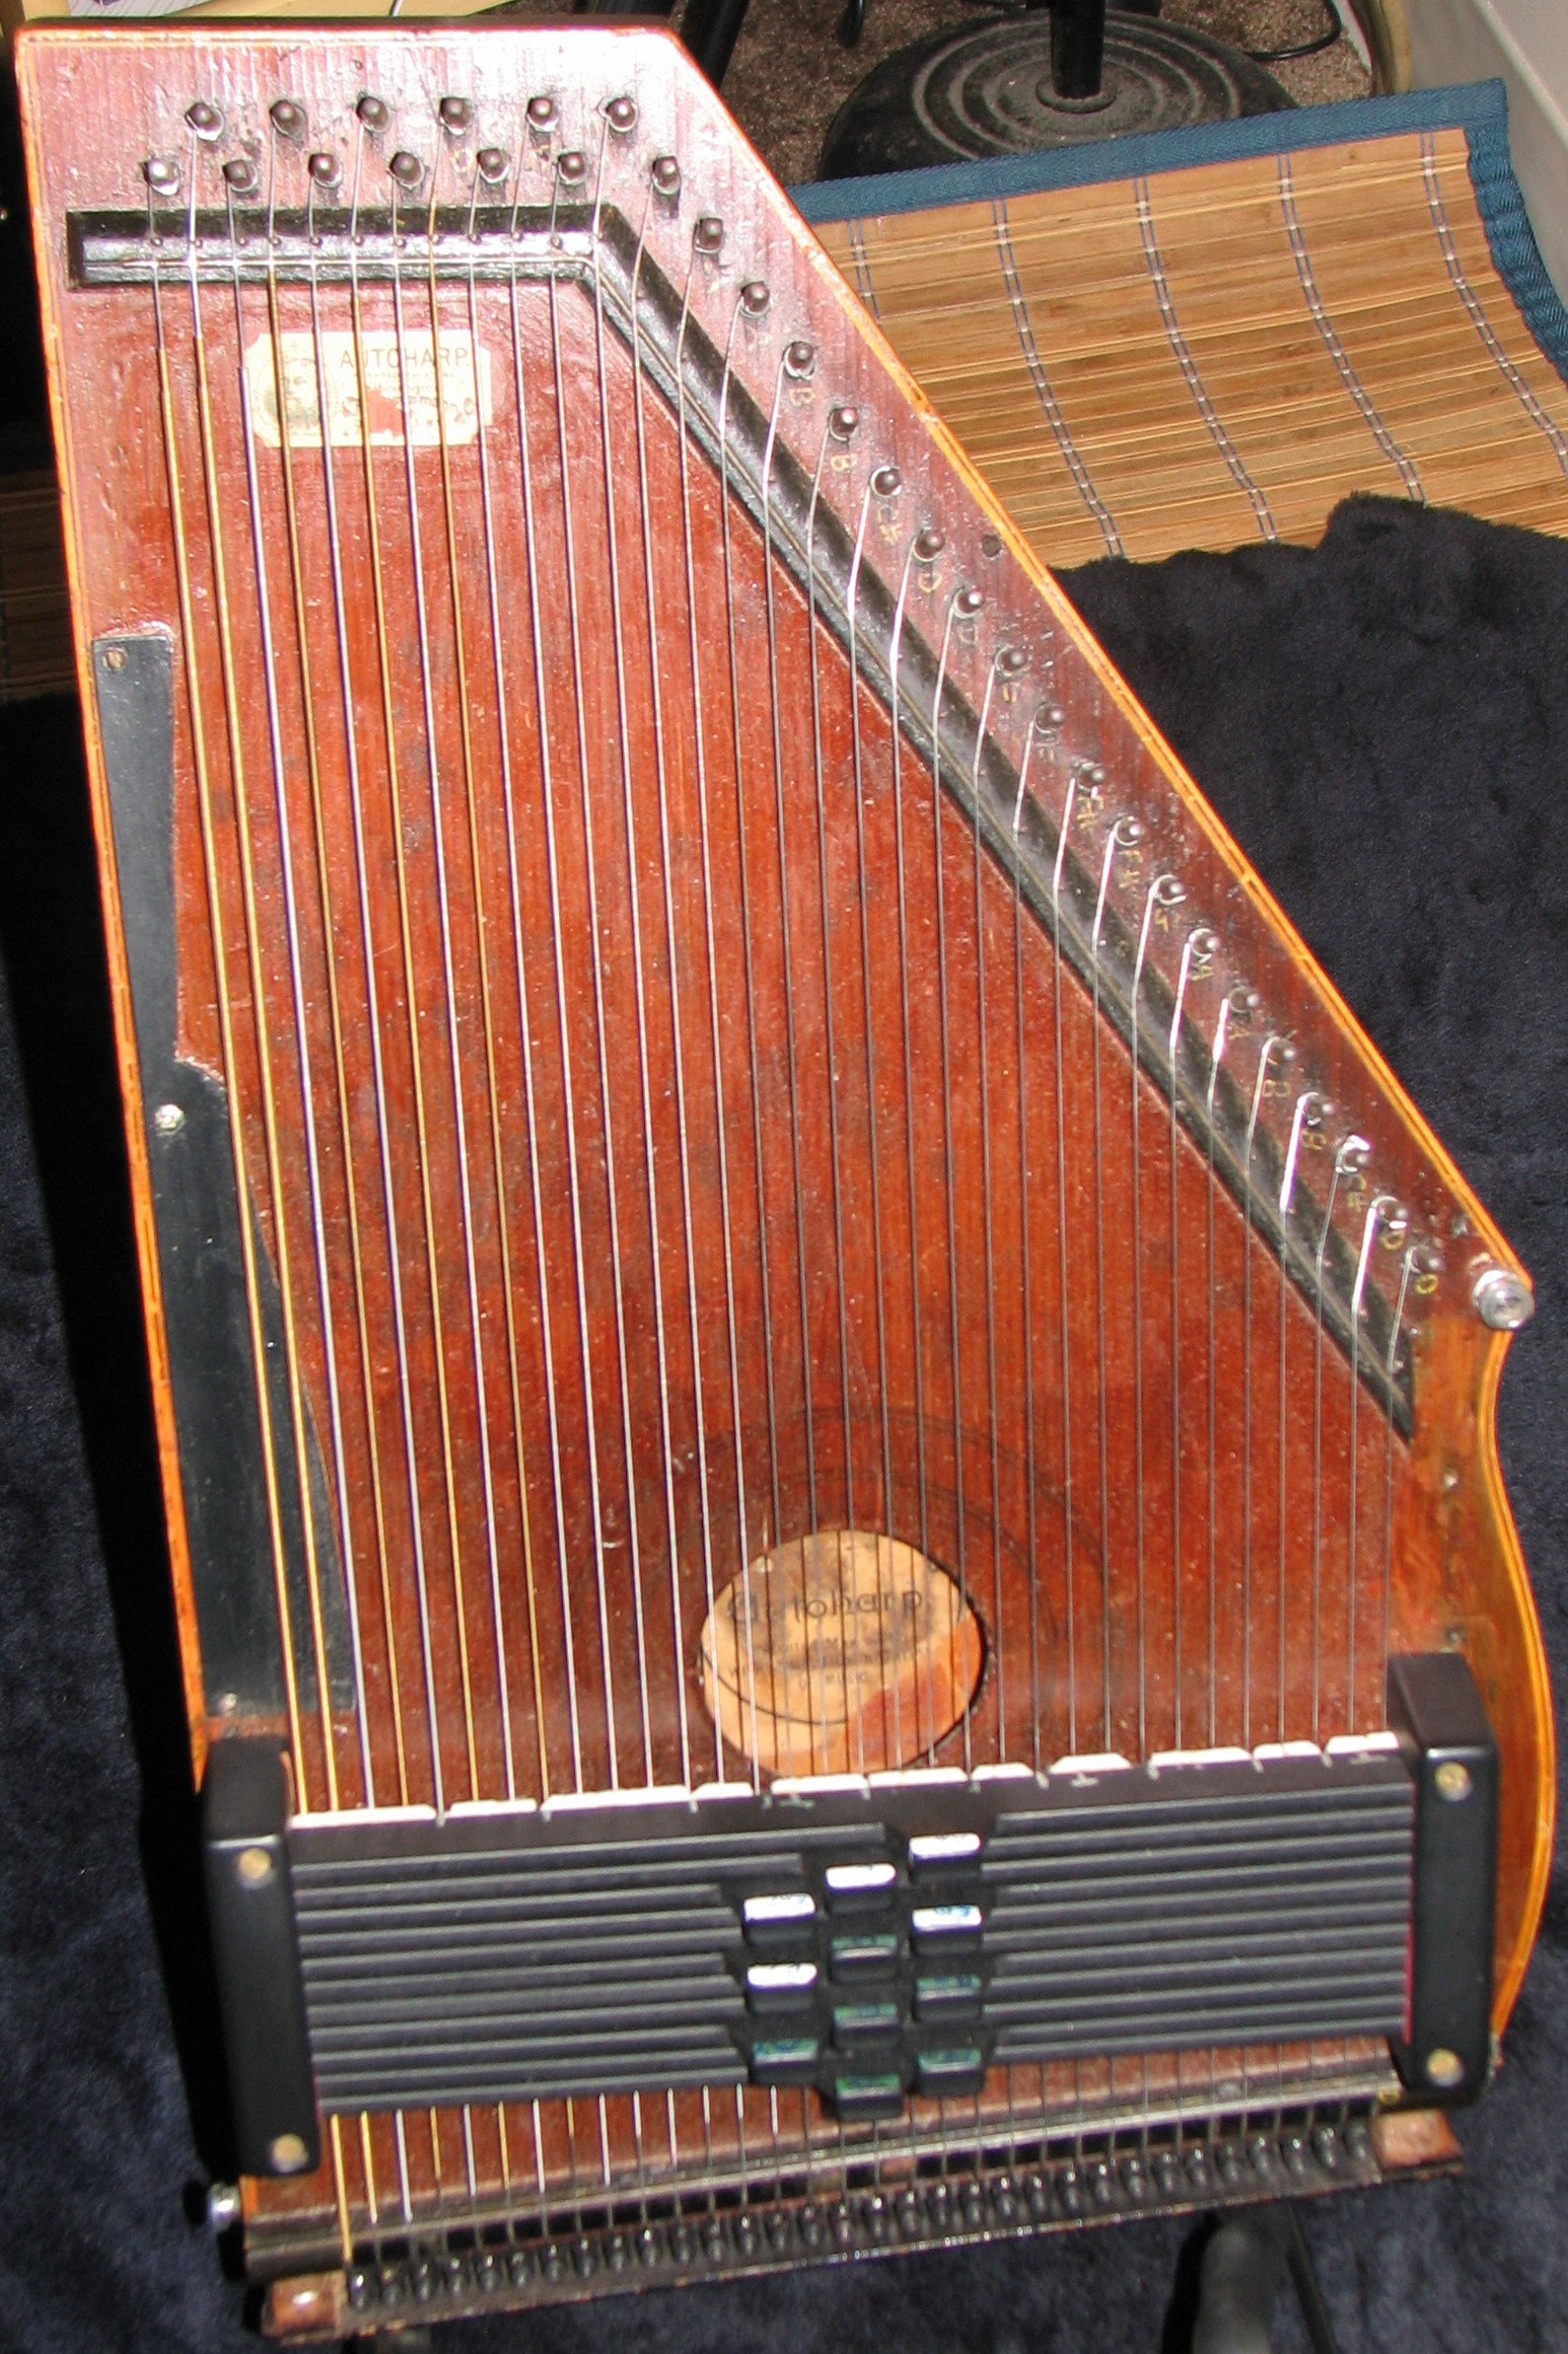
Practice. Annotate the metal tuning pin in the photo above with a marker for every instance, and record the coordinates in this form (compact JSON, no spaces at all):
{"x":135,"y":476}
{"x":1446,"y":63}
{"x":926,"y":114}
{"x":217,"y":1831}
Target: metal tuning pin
{"x":843,"y":420}
{"x":205,"y":120}
{"x":1311,"y":1110}
{"x":162,"y":175}
{"x":928,"y":544}
{"x":375,"y":113}
{"x":967,"y":602}
{"x":570,"y":167}
{"x":664,"y":173}
{"x":800,"y":361}
{"x":887,"y":482}
{"x":621,"y":114}
{"x":1011,"y":662}
{"x":456,"y":115}
{"x":287,"y":118}
{"x":754,"y":299}
{"x":542,"y":114}
{"x":325,"y":170}
{"x":240,"y":176}
{"x":491,"y":165}
{"x":708,"y":236}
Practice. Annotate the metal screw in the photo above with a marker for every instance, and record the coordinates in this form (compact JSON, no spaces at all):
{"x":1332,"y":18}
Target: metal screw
{"x":621,"y":114}
{"x":1445,"y":2067}
{"x":223,"y":2206}
{"x":115,"y":658}
{"x":1502,"y":1300}
{"x":205,"y":120}
{"x":287,"y":118}
{"x":373,"y":113}
{"x":287,"y":2153}
{"x":168,"y":1120}
{"x":1453,"y":1780}
{"x":253,"y":1865}
{"x":664,"y":173}
{"x":456,"y":115}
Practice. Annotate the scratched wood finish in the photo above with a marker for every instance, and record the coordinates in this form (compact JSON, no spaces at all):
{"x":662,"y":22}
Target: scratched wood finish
{"x":651,"y":1097}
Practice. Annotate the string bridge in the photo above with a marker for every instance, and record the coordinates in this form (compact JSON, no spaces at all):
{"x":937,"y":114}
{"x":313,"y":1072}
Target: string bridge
{"x":328,"y":245}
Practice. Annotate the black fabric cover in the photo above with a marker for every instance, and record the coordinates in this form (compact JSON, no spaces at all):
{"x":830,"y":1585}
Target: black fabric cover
{"x":1383,"y":723}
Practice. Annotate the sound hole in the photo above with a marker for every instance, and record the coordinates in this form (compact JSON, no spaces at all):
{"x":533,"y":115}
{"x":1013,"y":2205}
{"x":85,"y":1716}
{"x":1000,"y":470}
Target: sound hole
{"x":842,"y":1652}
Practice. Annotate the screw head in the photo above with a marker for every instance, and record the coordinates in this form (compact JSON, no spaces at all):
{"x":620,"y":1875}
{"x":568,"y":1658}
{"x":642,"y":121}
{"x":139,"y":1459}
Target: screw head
{"x":223,"y":2206}
{"x":1502,"y":1300}
{"x":168,"y":1120}
{"x":253,"y":1866}
{"x":287,"y":2153}
{"x":1444,"y":2069}
{"x":115,"y":658}
{"x":1451,"y":1782}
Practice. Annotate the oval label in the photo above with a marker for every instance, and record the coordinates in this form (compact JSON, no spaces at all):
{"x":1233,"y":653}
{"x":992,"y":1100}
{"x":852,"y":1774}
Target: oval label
{"x":842,"y":1651}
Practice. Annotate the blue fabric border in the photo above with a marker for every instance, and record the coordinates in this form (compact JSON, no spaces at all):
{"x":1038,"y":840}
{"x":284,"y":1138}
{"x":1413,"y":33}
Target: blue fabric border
{"x":1500,"y":202}
{"x":1478,"y":109}
{"x":1469,"y":106}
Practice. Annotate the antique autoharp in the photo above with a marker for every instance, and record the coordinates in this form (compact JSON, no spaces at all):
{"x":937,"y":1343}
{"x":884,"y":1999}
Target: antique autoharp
{"x":828,"y":1431}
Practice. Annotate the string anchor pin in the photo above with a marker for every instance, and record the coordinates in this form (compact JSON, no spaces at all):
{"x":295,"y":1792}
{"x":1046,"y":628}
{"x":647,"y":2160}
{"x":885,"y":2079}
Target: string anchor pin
{"x":205,"y":120}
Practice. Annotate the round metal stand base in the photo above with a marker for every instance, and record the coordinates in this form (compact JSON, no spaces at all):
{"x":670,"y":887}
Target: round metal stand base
{"x":988,"y":91}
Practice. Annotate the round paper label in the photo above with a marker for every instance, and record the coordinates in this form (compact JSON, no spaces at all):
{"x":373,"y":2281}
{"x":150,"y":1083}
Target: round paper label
{"x":842,"y":1652}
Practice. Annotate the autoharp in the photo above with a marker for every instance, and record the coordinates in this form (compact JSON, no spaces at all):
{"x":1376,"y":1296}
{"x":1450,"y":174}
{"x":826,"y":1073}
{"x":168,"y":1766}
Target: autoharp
{"x":827,"y":1430}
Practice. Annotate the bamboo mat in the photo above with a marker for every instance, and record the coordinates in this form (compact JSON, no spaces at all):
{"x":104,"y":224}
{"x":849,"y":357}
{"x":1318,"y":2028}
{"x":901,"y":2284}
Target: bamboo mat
{"x":1200,"y":356}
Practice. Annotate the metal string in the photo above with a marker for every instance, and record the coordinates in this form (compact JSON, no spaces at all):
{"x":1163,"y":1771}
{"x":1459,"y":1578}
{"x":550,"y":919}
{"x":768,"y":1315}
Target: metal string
{"x":228,"y":678}
{"x":700,"y":761}
{"x":1024,"y":1270}
{"x":1217,"y":1056}
{"x":895,"y":649}
{"x":849,"y":1634}
{"x":1163,"y":893}
{"x":482,"y":927}
{"x":581,"y":713}
{"x":1064,"y":1260}
{"x":957,"y":598}
{"x":1272,"y":1045}
{"x":1380,"y":1207}
{"x":624,"y":747}
{"x":547,"y":796}
{"x":1125,"y":834}
{"x":656,"y":686}
{"x":871,"y":1089}
{"x":1311,"y":1109}
{"x":1199,"y":945}
{"x":991,"y":678}
{"x":1347,"y":1158}
{"x":297,"y":1000}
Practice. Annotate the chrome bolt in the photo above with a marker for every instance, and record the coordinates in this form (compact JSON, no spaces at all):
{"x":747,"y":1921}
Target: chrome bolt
{"x":168,"y":1120}
{"x":1445,"y":2067}
{"x":1453,"y":1780}
{"x":1502,"y":1300}
{"x":253,"y":1865}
